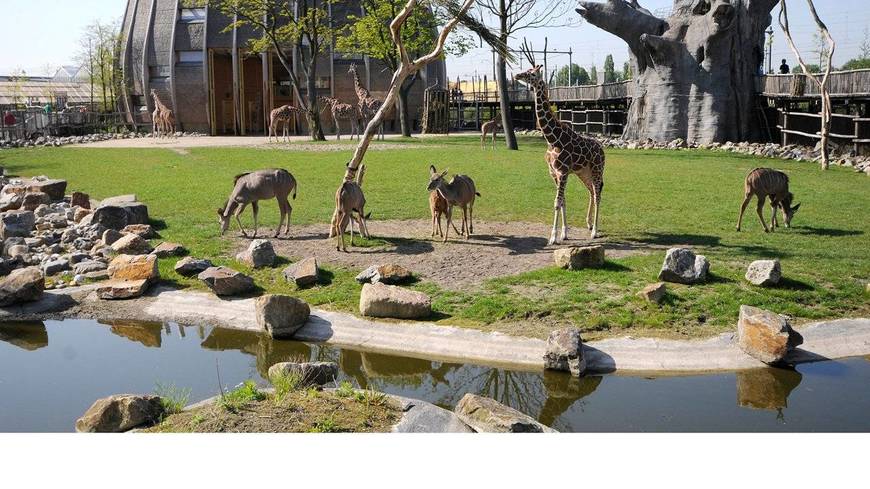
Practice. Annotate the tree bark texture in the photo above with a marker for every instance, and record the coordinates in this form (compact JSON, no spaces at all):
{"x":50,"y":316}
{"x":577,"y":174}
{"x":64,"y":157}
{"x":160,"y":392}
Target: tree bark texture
{"x":694,"y":71}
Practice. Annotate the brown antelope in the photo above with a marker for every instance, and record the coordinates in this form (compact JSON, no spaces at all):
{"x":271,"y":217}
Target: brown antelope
{"x":489,"y":126}
{"x":763,"y":183}
{"x":349,"y":205}
{"x":250,"y":188}
{"x":459,"y":191}
{"x":438,"y":206}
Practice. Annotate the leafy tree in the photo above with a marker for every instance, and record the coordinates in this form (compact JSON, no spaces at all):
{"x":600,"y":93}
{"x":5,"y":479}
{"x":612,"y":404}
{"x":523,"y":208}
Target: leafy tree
{"x":857,"y":64}
{"x":99,"y":51}
{"x":609,"y":70}
{"x":286,"y":28}
{"x":864,"y":47}
{"x":626,"y":71}
{"x":593,"y":75}
{"x":811,"y":67}
{"x":583,"y":77}
{"x":579,"y":76}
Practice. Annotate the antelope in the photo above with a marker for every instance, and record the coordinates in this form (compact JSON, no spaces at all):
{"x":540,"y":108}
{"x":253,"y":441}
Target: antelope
{"x":763,"y":183}
{"x":250,"y":188}
{"x":438,"y":207}
{"x":460,"y":191}
{"x":349,"y":200}
{"x":489,"y":126}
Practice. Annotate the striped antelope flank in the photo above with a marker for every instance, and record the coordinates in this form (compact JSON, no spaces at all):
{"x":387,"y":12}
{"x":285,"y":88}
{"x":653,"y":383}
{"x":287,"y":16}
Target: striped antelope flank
{"x":763,"y":183}
{"x":349,"y":205}
{"x":459,"y":191}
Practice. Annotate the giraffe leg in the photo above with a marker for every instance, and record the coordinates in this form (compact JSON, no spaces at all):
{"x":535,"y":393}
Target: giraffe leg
{"x":599,"y":187}
{"x":557,"y":206}
{"x":564,"y":222}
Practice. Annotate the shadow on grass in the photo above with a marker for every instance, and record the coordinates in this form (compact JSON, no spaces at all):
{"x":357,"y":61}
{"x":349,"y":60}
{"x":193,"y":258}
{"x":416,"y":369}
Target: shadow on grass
{"x":791,"y":284}
{"x":612,"y":266}
{"x":827,"y":231}
{"x":157,"y":224}
{"x":667,"y":239}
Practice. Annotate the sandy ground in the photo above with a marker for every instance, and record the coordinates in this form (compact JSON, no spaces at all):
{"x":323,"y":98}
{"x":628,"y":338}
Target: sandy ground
{"x":497,"y":249}
{"x":297,"y":143}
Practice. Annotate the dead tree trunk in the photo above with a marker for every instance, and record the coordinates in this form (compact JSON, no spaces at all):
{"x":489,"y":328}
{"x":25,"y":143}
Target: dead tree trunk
{"x":694,"y":71}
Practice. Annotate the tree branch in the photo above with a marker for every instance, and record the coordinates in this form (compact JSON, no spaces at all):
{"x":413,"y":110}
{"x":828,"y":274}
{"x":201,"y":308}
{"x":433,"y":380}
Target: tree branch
{"x":622,"y":20}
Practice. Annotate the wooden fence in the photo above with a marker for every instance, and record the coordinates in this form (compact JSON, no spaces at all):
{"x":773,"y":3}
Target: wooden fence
{"x":854,"y":83}
{"x":32,"y":123}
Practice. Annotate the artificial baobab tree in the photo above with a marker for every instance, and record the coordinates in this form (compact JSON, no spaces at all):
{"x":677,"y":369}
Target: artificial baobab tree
{"x":822,"y":82}
{"x":694,"y":72}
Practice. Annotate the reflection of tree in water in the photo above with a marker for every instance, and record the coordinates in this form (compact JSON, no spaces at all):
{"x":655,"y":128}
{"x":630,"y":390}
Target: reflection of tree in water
{"x":766,"y":388}
{"x":27,"y":336}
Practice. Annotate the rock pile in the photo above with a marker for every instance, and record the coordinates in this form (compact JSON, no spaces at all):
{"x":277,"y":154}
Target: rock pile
{"x":57,"y":141}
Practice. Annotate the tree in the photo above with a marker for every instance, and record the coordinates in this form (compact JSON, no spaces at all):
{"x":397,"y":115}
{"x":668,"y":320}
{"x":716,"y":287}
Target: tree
{"x":864,"y":47}
{"x":811,"y":68}
{"x":626,"y":71}
{"x":578,"y":76}
{"x":583,"y":77}
{"x":694,"y":72}
{"x":370,"y":35}
{"x":508,"y":17}
{"x":98,"y":55}
{"x":609,"y":70}
{"x":287,"y":28}
{"x":857,"y":64}
{"x":593,"y":74}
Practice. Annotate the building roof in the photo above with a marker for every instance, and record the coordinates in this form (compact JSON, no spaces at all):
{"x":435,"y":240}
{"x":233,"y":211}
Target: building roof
{"x":41,"y":91}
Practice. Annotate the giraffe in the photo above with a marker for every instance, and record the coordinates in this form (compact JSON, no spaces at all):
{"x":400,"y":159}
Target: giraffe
{"x":163,"y":119}
{"x":567,"y":153}
{"x":368,"y":105}
{"x":280,"y":115}
{"x":341,"y":112}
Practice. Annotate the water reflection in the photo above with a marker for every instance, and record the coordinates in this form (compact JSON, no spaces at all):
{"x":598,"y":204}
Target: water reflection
{"x":27,"y":336}
{"x":766,"y":388}
{"x":148,"y":334}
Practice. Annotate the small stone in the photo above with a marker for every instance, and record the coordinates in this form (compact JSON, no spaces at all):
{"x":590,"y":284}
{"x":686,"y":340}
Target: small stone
{"x":577,"y":258}
{"x":89,"y":266}
{"x":117,"y":414}
{"x":22,"y":285}
{"x":259,"y":254}
{"x":765,"y":335}
{"x":310,"y":373}
{"x":80,"y":199}
{"x":131,"y":244}
{"x":369,"y":275}
{"x":122,"y":289}
{"x":189,"y":266}
{"x":55,"y":266}
{"x":391,"y":274}
{"x":565,"y":352}
{"x":485,"y":415}
{"x":764,"y":272}
{"x":390,"y":301}
{"x":144,"y":231}
{"x":654,"y":293}
{"x":682,"y":266}
{"x":110,"y":236}
{"x":226,"y":281}
{"x":303,"y":273}
{"x":280,"y":315}
{"x":134,"y":267}
{"x":166,"y":250}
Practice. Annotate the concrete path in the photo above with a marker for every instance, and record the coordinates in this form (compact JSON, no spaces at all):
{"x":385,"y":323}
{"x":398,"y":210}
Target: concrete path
{"x":296,"y":142}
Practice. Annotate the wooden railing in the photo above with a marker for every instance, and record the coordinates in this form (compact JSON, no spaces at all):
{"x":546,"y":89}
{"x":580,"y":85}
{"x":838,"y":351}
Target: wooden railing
{"x":606,"y":91}
{"x":840,"y":84}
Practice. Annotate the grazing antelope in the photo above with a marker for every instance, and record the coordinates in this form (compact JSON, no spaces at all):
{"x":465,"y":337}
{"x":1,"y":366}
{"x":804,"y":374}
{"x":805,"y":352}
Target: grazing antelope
{"x":438,"y":206}
{"x":763,"y":183}
{"x":460,"y":191}
{"x":349,"y":205}
{"x":250,"y":188}
{"x":489,"y":126}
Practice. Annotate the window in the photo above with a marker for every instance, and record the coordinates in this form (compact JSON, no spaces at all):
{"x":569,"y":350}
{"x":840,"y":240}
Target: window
{"x":192,"y":16}
{"x":158,"y":71}
{"x":190,"y":57}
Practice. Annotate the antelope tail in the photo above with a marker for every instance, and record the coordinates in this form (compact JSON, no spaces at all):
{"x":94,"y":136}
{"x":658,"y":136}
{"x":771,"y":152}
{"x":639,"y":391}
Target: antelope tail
{"x":478,"y":194}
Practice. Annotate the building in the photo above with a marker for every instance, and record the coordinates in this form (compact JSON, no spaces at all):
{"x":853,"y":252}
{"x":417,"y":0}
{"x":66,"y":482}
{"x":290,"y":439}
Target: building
{"x":69,"y":86}
{"x":216,"y":85}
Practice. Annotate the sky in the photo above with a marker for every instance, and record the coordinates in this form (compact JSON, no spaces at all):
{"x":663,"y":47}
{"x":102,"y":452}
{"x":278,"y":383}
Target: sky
{"x":38,"y":34}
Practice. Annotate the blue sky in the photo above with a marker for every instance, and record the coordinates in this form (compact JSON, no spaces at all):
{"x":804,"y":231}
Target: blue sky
{"x":38,"y":33}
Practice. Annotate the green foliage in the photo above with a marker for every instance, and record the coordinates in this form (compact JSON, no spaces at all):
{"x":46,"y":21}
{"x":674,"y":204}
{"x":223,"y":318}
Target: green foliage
{"x":98,"y":54}
{"x":172,"y":398}
{"x":239,"y":397}
{"x":593,"y":75}
{"x":813,"y":69}
{"x":345,"y":389}
{"x":285,"y":383}
{"x":856,"y":64}
{"x":326,"y":425}
{"x":609,"y":70}
{"x":579,"y":76}
{"x":626,"y":71}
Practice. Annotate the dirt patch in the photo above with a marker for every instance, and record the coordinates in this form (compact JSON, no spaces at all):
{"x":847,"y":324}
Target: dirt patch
{"x":297,"y":143}
{"x":498,"y":249}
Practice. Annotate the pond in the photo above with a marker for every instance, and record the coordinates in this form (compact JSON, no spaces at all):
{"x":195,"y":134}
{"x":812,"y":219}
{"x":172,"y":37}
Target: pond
{"x":51,"y":372}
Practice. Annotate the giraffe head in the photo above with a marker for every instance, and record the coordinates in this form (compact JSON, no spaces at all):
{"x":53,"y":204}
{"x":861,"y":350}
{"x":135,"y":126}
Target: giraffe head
{"x":435,"y":179}
{"x":531,"y":77}
{"x":352,"y":69}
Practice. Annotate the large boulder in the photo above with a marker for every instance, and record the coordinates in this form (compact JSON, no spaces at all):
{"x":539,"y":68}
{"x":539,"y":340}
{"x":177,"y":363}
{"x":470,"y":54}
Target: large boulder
{"x":764,"y":272}
{"x":280,"y":315}
{"x":579,"y":257}
{"x":259,"y":254}
{"x":189,"y":266}
{"x":390,"y":301}
{"x":133,"y":267}
{"x":166,"y":250}
{"x":18,"y":223}
{"x":565,"y":351}
{"x":121,"y":214}
{"x":22,"y":285}
{"x":682,"y":266}
{"x":226,"y":281}
{"x":131,"y":244}
{"x":765,"y":335}
{"x":32,"y":200}
{"x":55,"y":189}
{"x":303,"y":273}
{"x":485,"y":415}
{"x":117,"y":414}
{"x":122,"y":289}
{"x":313,"y":373}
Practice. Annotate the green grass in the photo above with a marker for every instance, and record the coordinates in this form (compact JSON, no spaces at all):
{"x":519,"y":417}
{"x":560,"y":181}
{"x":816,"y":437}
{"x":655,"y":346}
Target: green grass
{"x":241,"y":396}
{"x":172,"y":398}
{"x":651,"y":198}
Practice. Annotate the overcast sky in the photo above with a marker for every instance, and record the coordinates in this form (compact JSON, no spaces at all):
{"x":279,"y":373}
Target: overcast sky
{"x":38,"y":33}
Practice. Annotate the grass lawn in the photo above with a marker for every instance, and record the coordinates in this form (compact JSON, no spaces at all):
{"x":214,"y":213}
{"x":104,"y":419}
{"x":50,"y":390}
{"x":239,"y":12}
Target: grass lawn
{"x":650,"y":198}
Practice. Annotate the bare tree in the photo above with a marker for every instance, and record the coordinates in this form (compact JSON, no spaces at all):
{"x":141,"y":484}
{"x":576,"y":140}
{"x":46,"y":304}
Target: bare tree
{"x":823,"y":82}
{"x":508,"y":17}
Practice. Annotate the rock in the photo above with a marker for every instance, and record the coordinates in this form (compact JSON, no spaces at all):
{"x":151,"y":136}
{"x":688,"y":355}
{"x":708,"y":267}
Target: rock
{"x":10,"y":201}
{"x":122,"y":289}
{"x":565,"y":351}
{"x":119,"y":200}
{"x":131,"y":244}
{"x":485,"y":415}
{"x":259,"y":254}
{"x":133,"y":267}
{"x":80,"y":199}
{"x":117,"y":414}
{"x":18,"y":223}
{"x":303,"y":273}
{"x":368,"y":275}
{"x":280,"y":315}
{"x":654,"y":292}
{"x":226,"y":281}
{"x":18,"y":251}
{"x":576,"y":258}
{"x":110,"y":236}
{"x":14,"y":241}
{"x":55,"y":189}
{"x":97,"y":275}
{"x":112,"y":217}
{"x":55,"y":266}
{"x":393,"y":275}
{"x":89,"y":266}
{"x":764,"y":272}
{"x":165,"y":250}
{"x":390,"y":301}
{"x":144,"y":231}
{"x":765,"y":335}
{"x":189,"y":266}
{"x":22,"y":285}
{"x":682,"y":266}
{"x":32,"y":200}
{"x":7,"y":265}
{"x":312,"y":373}
{"x":80,"y":214}
{"x":766,"y":388}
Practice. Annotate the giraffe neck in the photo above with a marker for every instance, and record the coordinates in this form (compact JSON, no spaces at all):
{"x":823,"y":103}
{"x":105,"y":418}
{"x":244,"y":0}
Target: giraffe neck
{"x":361,"y":91}
{"x":550,"y":127}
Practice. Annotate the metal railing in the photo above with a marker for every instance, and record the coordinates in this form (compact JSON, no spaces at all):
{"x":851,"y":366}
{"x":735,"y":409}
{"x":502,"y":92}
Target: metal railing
{"x":35,"y":122}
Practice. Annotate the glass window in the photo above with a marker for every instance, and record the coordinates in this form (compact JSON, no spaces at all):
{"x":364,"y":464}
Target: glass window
{"x":192,"y":15}
{"x":191,"y":57}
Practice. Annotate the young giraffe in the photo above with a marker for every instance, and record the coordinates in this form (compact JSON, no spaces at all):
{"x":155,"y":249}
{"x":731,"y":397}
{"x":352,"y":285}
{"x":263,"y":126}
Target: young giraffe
{"x":567,"y":153}
{"x":368,"y":105}
{"x":163,"y":118}
{"x":342,"y":112}
{"x":280,"y":115}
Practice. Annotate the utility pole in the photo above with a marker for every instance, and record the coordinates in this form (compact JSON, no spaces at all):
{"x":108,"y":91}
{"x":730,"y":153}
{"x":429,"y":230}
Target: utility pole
{"x":769,"y":50}
{"x":570,"y":65}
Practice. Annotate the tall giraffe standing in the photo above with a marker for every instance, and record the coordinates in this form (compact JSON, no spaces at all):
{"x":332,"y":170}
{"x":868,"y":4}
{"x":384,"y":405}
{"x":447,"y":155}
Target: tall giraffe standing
{"x":163,"y":117}
{"x":567,"y":153}
{"x":283,"y":114}
{"x":368,"y":105}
